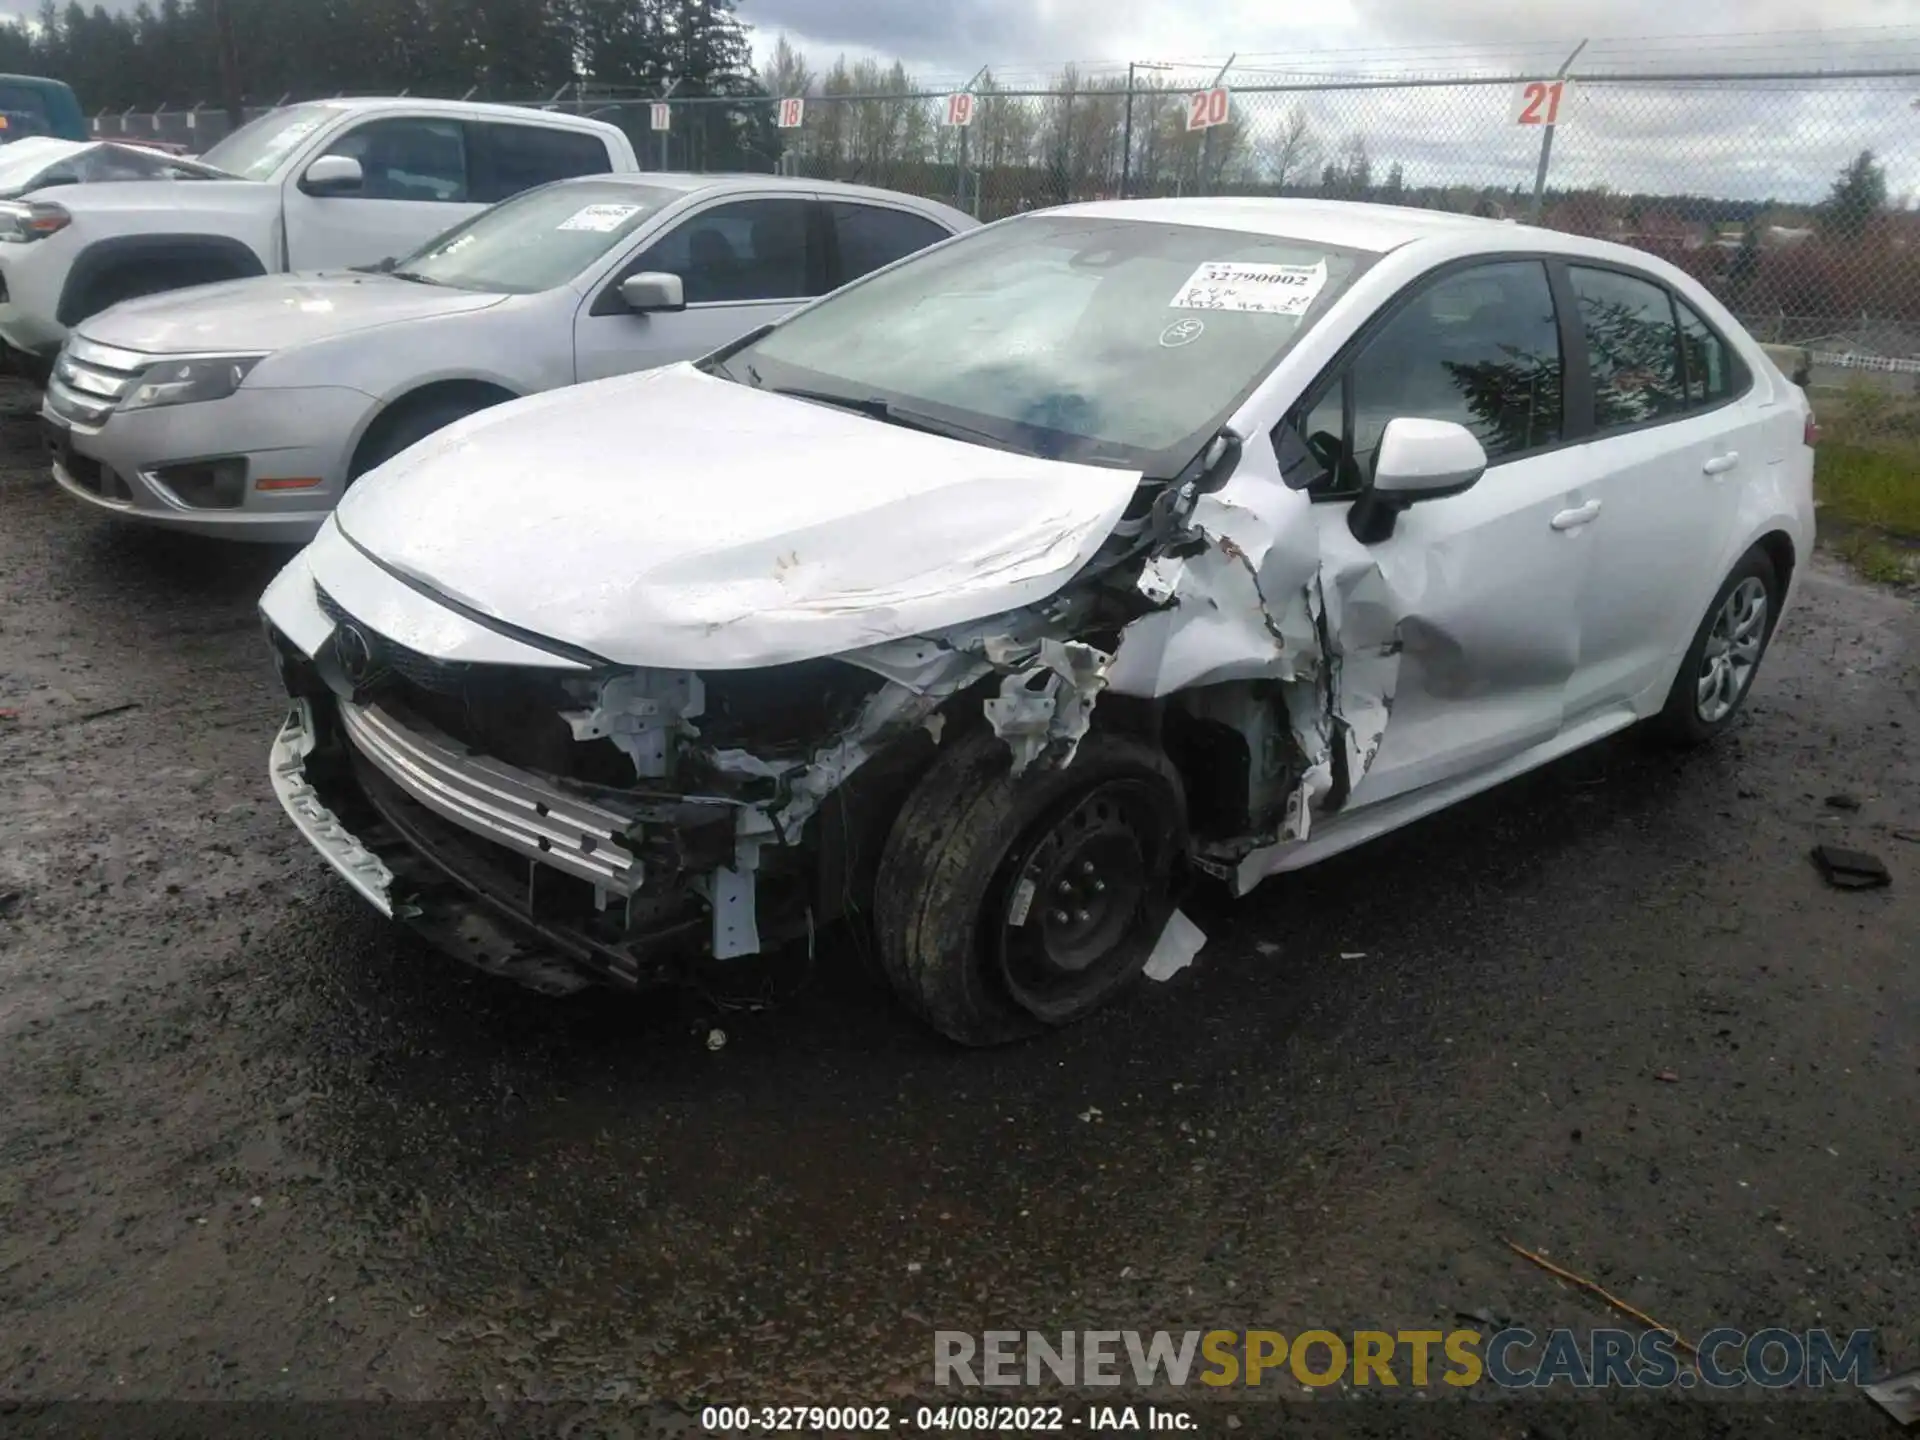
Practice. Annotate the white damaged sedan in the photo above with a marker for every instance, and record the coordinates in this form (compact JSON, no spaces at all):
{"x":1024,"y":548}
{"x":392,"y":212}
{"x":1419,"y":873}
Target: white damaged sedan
{"x":983,"y":601}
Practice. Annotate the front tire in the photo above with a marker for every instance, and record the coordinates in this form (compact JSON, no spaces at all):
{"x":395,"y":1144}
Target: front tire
{"x":406,"y":428}
{"x":1009,"y":905}
{"x":1725,"y":655}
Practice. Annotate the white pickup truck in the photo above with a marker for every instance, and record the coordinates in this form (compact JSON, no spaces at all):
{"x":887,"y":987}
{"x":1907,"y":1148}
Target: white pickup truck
{"x":331,"y":184}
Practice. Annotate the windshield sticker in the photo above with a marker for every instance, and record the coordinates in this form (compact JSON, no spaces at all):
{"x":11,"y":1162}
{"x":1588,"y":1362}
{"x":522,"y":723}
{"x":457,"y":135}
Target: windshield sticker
{"x":601,"y":219}
{"x":1249,"y":286}
{"x":1182,"y":332}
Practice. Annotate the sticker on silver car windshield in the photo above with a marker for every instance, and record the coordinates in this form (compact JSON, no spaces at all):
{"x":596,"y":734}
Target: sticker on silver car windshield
{"x":1251,"y":286}
{"x":601,"y":219}
{"x":1182,"y":332}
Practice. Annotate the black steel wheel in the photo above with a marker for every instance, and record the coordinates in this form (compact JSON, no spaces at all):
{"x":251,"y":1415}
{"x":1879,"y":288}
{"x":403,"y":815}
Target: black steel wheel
{"x":1009,"y":904}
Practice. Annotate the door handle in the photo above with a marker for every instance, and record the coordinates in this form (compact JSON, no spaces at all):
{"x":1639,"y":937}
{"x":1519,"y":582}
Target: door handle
{"x":1721,"y":464}
{"x":1575,"y":518}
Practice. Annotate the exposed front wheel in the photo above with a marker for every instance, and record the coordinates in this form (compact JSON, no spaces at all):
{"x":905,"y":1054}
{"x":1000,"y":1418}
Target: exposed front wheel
{"x":1725,"y":655}
{"x":1006,"y":905}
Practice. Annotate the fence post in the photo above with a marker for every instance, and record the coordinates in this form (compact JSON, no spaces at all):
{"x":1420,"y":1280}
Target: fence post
{"x":1546,"y":143}
{"x":665,"y":135}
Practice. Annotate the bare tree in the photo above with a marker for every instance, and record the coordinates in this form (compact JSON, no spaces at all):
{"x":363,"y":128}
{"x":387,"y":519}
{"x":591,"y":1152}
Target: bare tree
{"x":1289,"y":153}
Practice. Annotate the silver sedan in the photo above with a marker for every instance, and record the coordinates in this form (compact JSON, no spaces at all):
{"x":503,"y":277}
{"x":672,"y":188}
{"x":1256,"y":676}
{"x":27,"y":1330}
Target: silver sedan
{"x":246,"y":409}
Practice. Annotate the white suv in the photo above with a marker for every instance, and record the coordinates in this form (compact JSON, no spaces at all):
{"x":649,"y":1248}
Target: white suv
{"x":329,"y":184}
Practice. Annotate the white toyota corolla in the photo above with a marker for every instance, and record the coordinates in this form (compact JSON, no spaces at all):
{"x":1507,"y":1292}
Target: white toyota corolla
{"x":982,"y":601}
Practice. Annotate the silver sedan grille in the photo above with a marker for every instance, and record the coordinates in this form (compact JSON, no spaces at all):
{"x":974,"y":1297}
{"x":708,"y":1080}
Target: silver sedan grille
{"x":90,"y":380}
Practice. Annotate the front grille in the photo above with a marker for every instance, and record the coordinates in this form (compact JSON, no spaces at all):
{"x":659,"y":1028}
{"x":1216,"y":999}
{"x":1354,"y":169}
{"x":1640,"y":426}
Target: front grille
{"x":90,"y":380}
{"x":386,"y":659}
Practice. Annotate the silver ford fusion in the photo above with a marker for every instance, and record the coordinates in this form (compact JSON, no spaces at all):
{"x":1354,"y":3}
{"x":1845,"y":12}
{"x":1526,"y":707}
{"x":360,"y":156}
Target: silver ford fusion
{"x":246,"y":409}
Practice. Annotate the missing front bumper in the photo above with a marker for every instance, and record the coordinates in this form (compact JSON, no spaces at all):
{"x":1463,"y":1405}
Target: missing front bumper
{"x":462,"y":871}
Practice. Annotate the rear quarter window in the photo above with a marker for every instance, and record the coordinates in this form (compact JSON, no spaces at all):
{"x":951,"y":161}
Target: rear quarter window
{"x":503,"y":160}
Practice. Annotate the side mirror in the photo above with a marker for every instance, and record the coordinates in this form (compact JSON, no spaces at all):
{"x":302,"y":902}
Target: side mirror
{"x":1418,"y":460}
{"x":652,"y":290}
{"x":333,"y":175}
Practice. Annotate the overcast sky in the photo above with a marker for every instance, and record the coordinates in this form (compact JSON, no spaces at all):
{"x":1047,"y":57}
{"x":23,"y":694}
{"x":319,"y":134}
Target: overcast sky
{"x":957,"y":36}
{"x":1748,"y":142}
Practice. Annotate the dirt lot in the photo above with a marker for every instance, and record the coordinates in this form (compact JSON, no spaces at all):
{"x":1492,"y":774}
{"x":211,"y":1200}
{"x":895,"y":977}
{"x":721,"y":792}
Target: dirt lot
{"x":256,"y":1144}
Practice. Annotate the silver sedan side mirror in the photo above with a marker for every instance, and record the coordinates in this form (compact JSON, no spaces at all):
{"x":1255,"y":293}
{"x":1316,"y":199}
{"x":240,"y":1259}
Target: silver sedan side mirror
{"x":652,"y":290}
{"x":1418,"y":460}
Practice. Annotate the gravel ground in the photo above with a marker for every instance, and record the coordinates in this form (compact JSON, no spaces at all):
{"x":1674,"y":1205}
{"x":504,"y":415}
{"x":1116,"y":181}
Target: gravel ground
{"x":257,"y":1144}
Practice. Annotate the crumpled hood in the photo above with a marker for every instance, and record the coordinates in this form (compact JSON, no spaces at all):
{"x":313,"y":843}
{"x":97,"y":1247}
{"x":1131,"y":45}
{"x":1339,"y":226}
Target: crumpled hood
{"x":676,"y":520}
{"x":273,"y":312}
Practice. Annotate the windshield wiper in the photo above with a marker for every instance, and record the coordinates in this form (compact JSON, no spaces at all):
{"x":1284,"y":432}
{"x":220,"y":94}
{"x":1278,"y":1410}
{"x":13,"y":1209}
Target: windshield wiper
{"x":888,"y":413}
{"x":415,"y":276}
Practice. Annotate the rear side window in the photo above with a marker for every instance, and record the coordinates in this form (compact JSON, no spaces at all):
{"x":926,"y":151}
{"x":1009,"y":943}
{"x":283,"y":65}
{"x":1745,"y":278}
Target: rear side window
{"x":1480,"y":347}
{"x":1709,"y":367}
{"x":506,"y":159}
{"x":869,"y":236}
{"x":749,"y":250}
{"x":1633,"y":348}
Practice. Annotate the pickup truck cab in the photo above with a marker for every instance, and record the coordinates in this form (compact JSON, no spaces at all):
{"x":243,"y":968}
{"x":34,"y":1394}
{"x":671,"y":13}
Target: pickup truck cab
{"x":326,"y":185}
{"x":37,"y":105}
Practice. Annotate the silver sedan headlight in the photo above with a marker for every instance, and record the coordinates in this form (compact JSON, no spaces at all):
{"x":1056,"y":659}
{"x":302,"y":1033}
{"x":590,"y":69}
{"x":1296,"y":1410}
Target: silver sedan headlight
{"x":184,"y":382}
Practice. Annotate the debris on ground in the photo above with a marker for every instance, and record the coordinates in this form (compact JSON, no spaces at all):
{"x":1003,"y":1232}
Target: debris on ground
{"x":716,"y":1039}
{"x":10,"y":901}
{"x":1486,"y":1315}
{"x":1615,"y":1301}
{"x":1669,"y":1077}
{"x":104,"y":712}
{"x":1850,"y":869}
{"x":1843,"y":801}
{"x":1179,"y":942}
{"x":1899,"y":1397}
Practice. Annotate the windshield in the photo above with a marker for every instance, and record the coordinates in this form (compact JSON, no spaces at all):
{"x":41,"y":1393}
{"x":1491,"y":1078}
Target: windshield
{"x":1117,"y":342}
{"x":255,"y":150}
{"x":537,"y":240}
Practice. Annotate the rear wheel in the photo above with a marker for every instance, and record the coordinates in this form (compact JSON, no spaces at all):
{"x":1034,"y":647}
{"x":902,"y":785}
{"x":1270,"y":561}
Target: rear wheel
{"x":1006,"y":905}
{"x":1725,"y":655}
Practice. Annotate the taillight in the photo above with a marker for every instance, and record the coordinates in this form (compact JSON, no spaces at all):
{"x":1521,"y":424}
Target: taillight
{"x":1811,"y":434}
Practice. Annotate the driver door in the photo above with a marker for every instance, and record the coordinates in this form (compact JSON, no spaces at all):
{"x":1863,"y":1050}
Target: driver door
{"x":414,"y":186}
{"x":1482,"y":588}
{"x":741,"y":264}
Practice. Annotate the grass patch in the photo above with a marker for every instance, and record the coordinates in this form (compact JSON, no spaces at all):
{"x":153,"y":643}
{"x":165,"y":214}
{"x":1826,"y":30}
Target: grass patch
{"x":1874,"y":559}
{"x":1877,"y":487}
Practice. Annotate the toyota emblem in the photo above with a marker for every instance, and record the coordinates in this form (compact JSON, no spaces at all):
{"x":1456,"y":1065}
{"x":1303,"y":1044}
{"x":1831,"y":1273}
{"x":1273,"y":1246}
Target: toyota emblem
{"x":355,"y":654}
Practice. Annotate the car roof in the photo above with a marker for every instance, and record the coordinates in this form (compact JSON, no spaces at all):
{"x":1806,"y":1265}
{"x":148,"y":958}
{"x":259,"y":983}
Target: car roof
{"x":478,"y":109}
{"x":1345,"y":224}
{"x":689,"y":182}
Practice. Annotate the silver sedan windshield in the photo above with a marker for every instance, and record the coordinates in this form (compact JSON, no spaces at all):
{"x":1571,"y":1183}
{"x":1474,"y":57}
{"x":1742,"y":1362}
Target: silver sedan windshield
{"x":537,"y":240}
{"x":1109,"y":341}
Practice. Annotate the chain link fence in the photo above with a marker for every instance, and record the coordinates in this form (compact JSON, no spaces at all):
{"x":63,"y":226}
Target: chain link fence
{"x":1790,"y":194}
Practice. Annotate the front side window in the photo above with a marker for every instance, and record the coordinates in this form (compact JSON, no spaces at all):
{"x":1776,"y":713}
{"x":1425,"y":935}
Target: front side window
{"x":537,"y":240}
{"x":1480,"y":348}
{"x":871,"y":236}
{"x":257,"y":149}
{"x":506,"y":159}
{"x":1116,"y":342}
{"x":408,"y":159}
{"x":1633,"y":348}
{"x":749,"y":250}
